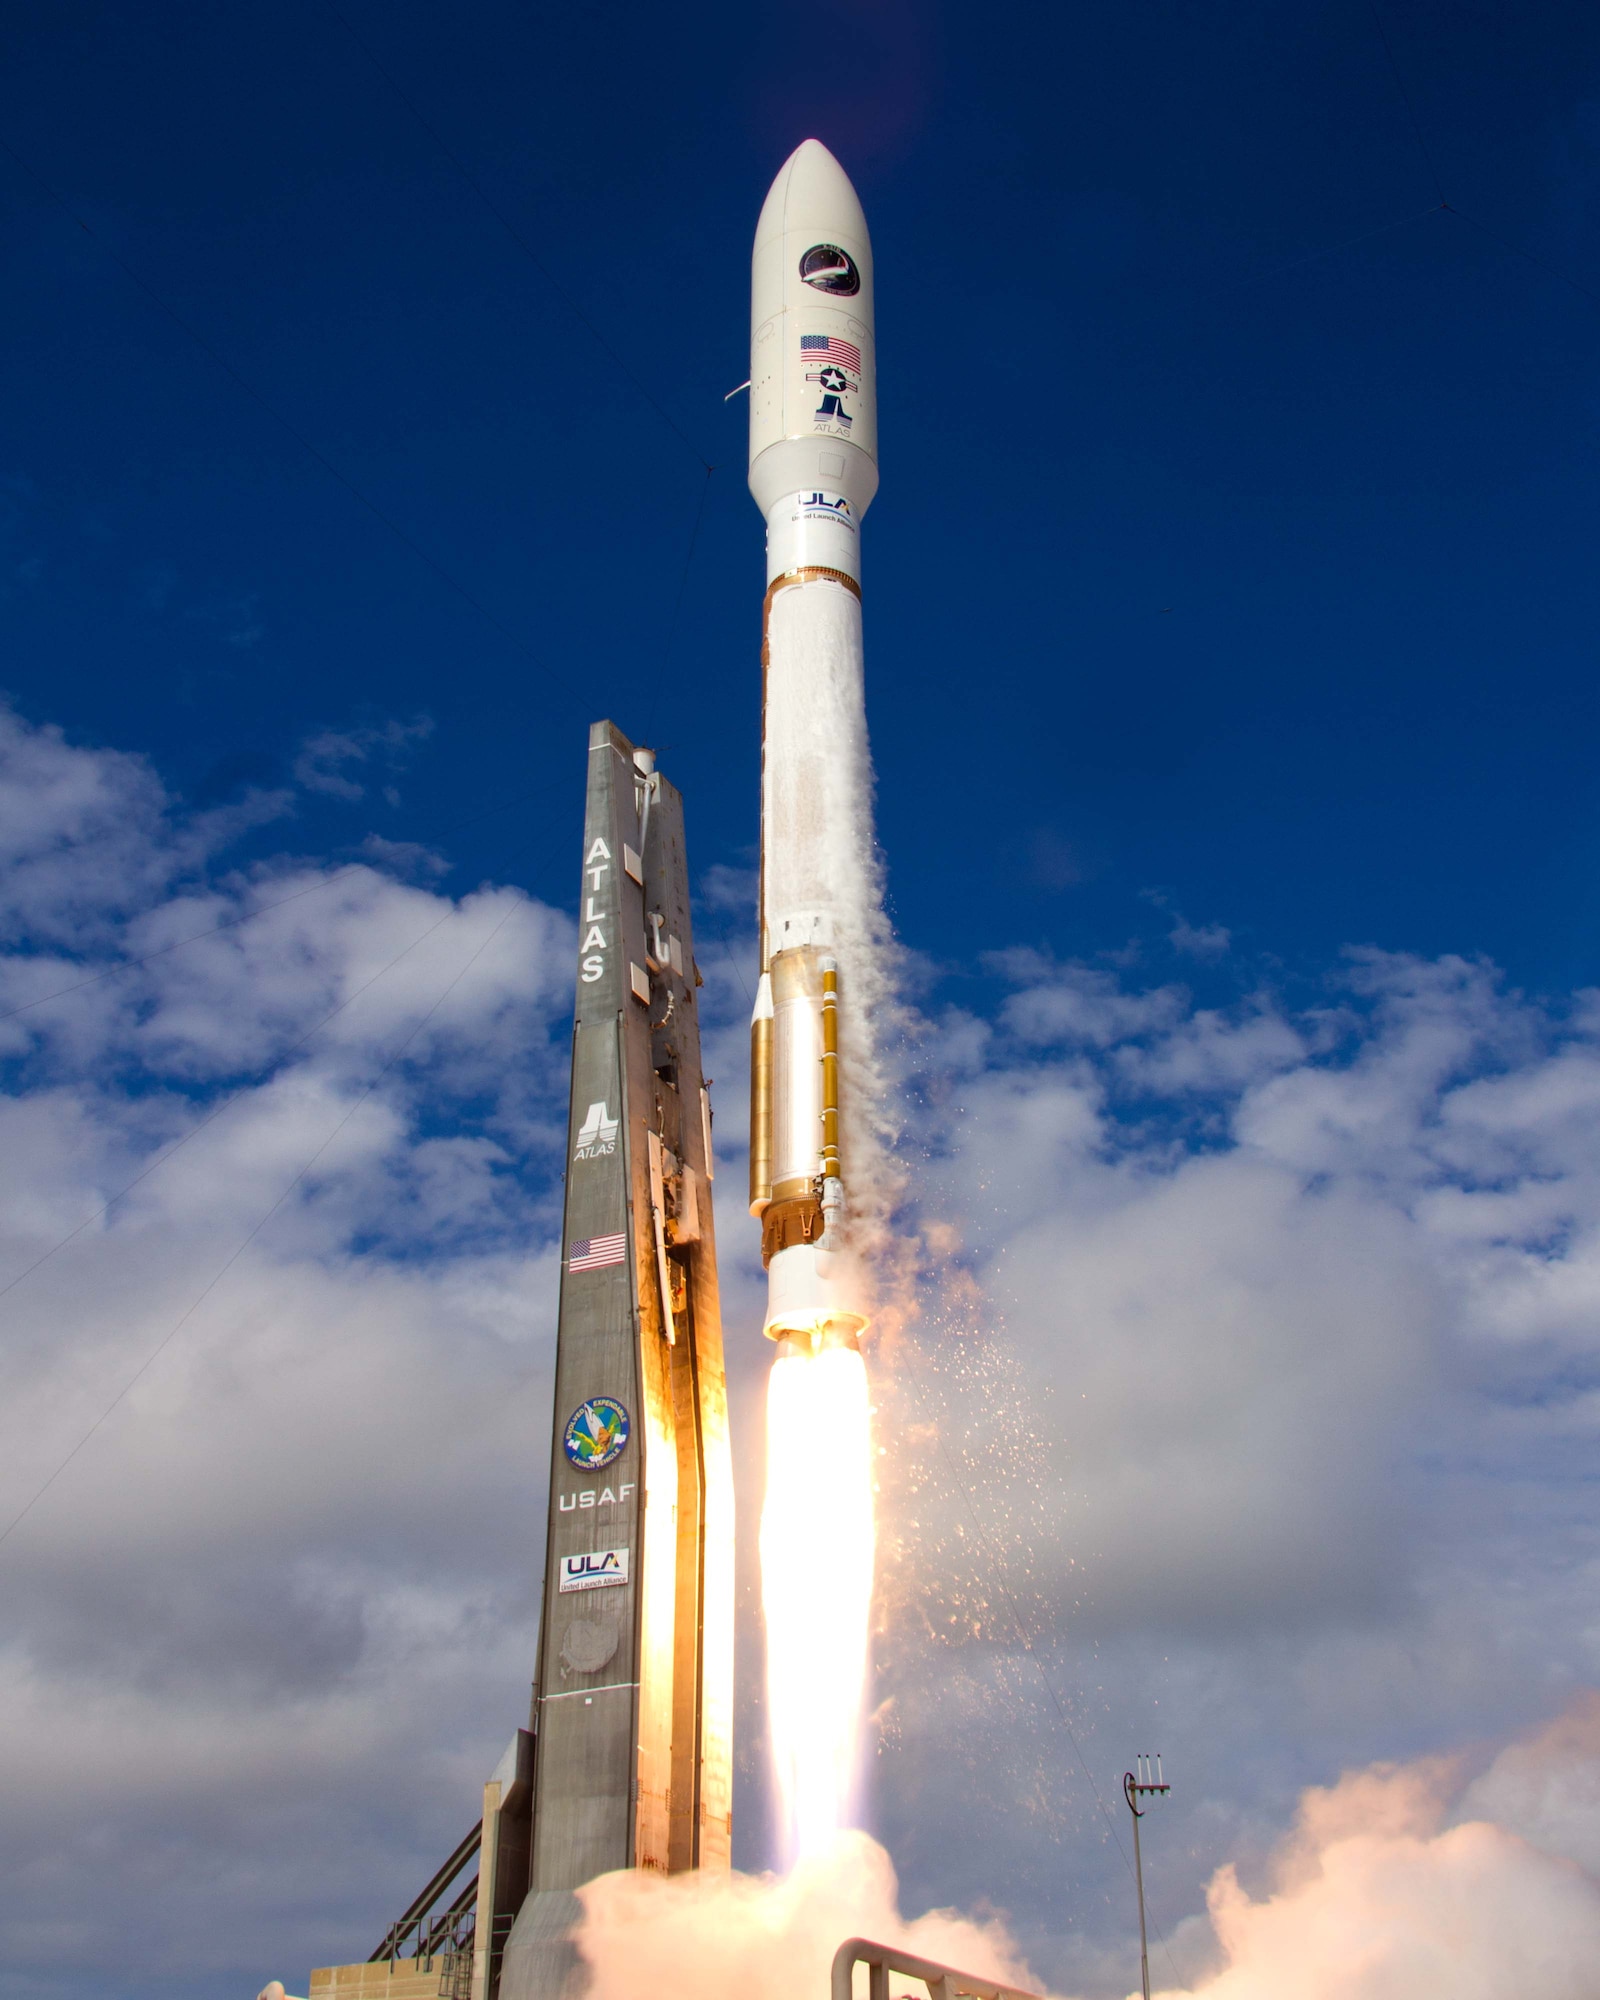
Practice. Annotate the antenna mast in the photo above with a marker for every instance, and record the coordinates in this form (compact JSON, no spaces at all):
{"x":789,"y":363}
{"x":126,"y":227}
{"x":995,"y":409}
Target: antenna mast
{"x":1144,"y":1781}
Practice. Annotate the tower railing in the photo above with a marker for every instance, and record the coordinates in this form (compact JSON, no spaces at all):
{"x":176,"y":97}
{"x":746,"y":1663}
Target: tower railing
{"x":943,"y":1982}
{"x":425,"y":1931}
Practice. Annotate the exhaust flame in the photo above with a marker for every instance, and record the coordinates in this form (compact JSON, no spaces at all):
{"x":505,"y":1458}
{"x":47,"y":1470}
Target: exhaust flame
{"x":817,"y":1540}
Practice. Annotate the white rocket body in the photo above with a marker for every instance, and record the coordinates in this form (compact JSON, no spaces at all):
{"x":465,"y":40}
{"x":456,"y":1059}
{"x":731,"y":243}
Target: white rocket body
{"x":813,"y":472}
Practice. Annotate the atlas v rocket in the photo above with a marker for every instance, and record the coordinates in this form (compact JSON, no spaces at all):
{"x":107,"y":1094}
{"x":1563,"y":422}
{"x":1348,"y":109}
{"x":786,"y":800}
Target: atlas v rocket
{"x":627,"y":1760}
{"x":813,"y":472}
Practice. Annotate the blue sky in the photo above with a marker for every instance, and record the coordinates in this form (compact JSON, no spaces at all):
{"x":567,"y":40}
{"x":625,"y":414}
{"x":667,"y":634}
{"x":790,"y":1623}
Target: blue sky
{"x":1230,"y":612}
{"x":1279,"y":549}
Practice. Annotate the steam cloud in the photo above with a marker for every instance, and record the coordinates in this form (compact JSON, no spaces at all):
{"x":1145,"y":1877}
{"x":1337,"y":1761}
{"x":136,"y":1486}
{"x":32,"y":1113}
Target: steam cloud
{"x":1400,"y":1882}
{"x":767,"y":1937}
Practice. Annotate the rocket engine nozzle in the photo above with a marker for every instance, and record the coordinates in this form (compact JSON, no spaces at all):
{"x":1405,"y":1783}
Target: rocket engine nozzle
{"x":809,"y":1308}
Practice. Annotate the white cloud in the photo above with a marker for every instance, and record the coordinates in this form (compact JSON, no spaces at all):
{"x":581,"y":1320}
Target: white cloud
{"x":1383,"y":1889}
{"x":328,"y":758}
{"x":275,"y":1404}
{"x":1254,"y":1381}
{"x":1199,"y":940}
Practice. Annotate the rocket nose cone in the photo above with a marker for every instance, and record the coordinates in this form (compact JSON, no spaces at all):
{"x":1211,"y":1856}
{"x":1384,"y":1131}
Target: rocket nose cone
{"x":813,"y":395}
{"x":812,"y":194}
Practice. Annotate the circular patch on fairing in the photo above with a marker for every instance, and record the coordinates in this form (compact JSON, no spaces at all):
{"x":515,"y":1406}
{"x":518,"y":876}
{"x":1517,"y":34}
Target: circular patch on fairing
{"x":827,"y":268}
{"x":588,"y":1645}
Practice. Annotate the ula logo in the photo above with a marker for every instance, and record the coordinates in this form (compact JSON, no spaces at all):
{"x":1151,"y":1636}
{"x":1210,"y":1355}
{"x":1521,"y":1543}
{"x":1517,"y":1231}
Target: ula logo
{"x":597,"y":1135}
{"x":838,"y":505}
{"x":827,"y":268}
{"x":596,"y":1571}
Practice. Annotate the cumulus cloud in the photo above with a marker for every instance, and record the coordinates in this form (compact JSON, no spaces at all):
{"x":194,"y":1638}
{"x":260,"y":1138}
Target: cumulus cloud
{"x":1199,"y":940}
{"x":328,"y":759}
{"x":278,"y":1152}
{"x":1253,"y":1372}
{"x":1394,"y":1882}
{"x":86,"y":840}
{"x":1246,"y":1411}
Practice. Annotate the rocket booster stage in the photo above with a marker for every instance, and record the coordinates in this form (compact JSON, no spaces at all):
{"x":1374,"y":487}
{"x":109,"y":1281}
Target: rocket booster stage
{"x":813,"y":472}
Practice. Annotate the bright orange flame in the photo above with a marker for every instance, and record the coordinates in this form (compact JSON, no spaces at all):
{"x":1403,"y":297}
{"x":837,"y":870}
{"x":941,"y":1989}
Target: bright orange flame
{"x":817,"y":1538}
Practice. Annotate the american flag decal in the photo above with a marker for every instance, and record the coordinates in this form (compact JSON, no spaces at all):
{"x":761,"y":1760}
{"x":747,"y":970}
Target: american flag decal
{"x":825,"y":347}
{"x":595,"y":1252}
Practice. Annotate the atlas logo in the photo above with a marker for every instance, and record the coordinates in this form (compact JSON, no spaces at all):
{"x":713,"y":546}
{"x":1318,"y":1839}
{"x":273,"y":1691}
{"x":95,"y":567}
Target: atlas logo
{"x":597,"y":1135}
{"x":827,"y":268}
{"x":596,"y":867}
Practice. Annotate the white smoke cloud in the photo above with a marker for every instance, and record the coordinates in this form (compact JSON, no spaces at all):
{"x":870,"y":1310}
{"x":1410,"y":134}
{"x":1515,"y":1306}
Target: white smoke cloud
{"x":1396,"y":1881}
{"x":769,"y":1937}
{"x":1399,"y":1882}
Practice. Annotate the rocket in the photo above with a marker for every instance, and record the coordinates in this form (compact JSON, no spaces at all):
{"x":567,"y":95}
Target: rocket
{"x":813,"y":473}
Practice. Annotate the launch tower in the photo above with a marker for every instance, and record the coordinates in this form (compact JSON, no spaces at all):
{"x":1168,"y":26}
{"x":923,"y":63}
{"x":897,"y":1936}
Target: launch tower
{"x":627,"y":1758}
{"x":630,"y":1763}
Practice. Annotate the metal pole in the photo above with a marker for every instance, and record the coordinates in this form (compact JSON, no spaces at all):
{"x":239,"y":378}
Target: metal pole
{"x":1129,"y":1790}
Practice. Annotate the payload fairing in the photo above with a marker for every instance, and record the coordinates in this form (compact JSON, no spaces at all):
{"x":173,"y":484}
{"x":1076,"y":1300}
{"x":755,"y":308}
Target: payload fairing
{"x":813,"y":472}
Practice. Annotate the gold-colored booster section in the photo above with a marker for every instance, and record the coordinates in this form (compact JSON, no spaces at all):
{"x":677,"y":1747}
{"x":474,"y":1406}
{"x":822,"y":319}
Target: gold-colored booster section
{"x":761,"y":1100}
{"x":830,"y":1071}
{"x":797,"y":1097}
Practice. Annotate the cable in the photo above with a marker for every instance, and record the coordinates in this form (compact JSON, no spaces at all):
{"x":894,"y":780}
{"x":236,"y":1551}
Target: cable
{"x":184,"y":1318}
{"x":996,"y":1571}
{"x":519,"y":239}
{"x":683,"y":585}
{"x":722,"y":939}
{"x":688,"y":564}
{"x":1345,"y":243}
{"x":1527,"y":256}
{"x":1405,"y":99}
{"x":1449,"y":207}
{"x":243,"y":1091}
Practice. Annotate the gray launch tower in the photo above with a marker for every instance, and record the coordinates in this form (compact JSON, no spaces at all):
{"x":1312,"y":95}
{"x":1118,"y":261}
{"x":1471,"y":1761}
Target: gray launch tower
{"x":631,"y":1763}
{"x":627,"y":1760}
